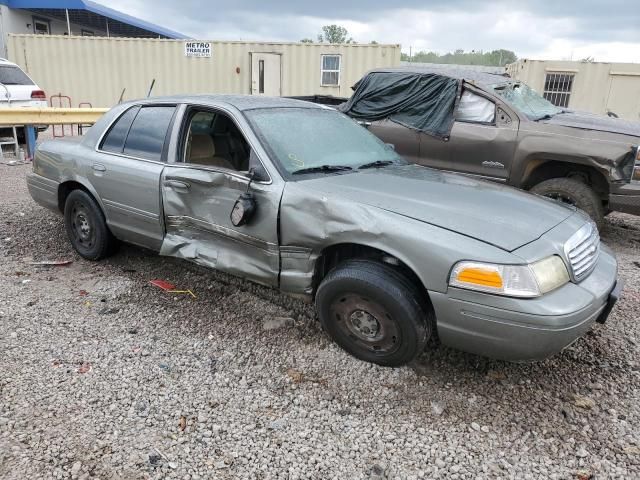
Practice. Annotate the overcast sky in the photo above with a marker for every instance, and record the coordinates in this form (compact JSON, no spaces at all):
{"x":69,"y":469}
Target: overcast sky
{"x":608,"y":30}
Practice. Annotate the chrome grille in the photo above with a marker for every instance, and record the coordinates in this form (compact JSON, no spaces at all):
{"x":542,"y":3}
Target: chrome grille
{"x":582,"y":251}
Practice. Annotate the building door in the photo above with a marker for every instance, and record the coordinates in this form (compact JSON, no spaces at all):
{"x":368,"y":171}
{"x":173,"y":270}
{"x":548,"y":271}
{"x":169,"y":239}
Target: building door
{"x":624,"y":97}
{"x":266,"y":76}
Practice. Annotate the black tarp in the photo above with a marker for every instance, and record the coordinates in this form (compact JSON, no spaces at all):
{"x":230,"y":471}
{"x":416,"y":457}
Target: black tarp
{"x":422,"y":101}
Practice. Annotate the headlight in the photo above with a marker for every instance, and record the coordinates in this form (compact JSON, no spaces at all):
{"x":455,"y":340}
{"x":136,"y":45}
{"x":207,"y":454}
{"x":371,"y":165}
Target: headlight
{"x":511,"y":280}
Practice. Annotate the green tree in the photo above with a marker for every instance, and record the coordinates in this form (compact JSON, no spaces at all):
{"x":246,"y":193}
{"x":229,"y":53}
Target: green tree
{"x":495,"y":58}
{"x":334,"y":34}
{"x":306,"y":40}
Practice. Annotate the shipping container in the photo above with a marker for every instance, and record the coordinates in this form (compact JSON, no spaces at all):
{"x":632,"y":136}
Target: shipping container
{"x":98,"y":69}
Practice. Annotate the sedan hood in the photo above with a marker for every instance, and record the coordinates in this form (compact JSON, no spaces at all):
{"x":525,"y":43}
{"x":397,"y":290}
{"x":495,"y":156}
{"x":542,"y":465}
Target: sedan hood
{"x":591,"y":121}
{"x":499,"y":215}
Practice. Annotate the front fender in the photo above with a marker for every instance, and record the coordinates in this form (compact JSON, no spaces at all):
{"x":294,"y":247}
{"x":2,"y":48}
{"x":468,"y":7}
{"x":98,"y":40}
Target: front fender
{"x":607,"y":155}
{"x":311,"y":222}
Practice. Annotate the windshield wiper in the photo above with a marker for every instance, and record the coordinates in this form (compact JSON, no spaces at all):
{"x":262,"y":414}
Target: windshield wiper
{"x":543,"y":117}
{"x":322,"y":169}
{"x":376,"y":164}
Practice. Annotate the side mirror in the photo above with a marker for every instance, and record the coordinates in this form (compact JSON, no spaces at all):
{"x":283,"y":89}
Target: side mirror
{"x":246,"y":205}
{"x":243,"y":209}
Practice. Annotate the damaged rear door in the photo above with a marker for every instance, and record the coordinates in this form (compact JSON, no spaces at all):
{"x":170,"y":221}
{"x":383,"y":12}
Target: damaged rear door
{"x":199,"y":191}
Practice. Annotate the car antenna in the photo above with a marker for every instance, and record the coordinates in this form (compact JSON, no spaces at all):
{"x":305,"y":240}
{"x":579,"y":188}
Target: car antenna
{"x":153,"y":82}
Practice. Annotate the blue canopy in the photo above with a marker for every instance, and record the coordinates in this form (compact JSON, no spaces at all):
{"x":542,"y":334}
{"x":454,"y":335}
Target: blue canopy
{"x":91,"y":14}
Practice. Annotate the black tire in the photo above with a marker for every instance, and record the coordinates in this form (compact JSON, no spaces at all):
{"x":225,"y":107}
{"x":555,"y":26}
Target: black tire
{"x":374,"y":312}
{"x":574,"y":192}
{"x":86,"y":226}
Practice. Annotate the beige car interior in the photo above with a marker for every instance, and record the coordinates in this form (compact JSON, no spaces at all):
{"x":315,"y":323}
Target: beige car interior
{"x":214,"y":140}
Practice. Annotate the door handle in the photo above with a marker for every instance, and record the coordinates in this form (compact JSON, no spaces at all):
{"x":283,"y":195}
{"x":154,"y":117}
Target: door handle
{"x":177,"y":184}
{"x":98,"y":167}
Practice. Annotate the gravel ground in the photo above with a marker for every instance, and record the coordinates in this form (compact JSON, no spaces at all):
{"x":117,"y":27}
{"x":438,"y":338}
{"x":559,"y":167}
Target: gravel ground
{"x":105,"y":376}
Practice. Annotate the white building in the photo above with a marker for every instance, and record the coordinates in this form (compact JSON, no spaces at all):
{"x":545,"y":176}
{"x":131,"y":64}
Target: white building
{"x":72,"y":17}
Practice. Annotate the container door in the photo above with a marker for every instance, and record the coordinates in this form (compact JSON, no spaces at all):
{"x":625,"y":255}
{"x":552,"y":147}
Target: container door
{"x":624,"y":97}
{"x":266,"y":78}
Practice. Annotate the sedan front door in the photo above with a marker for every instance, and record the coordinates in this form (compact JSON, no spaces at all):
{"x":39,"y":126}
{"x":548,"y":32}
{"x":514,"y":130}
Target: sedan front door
{"x":199,"y":190}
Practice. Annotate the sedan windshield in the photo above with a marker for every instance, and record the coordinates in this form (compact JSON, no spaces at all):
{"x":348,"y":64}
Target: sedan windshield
{"x":318,"y":141}
{"x":527,"y":100}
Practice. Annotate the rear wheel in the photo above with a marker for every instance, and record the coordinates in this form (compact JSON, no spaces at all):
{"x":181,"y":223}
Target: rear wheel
{"x":374,"y":312}
{"x":86,"y":226}
{"x":573,"y":192}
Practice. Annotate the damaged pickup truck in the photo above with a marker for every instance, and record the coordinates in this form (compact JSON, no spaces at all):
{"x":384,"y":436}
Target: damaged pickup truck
{"x":492,"y":127}
{"x":299,"y":197}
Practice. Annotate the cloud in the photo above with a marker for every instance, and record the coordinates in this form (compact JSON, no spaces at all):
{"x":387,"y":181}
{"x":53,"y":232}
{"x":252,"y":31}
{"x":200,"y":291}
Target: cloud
{"x":534,"y":29}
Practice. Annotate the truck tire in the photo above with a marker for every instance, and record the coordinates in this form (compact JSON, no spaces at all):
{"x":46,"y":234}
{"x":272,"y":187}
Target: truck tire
{"x":573,"y":192}
{"x":374,"y":312}
{"x":86,"y":226}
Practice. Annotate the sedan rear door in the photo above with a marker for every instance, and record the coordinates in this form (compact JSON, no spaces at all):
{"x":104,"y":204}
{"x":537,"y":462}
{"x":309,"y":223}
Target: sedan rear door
{"x":125,"y":170}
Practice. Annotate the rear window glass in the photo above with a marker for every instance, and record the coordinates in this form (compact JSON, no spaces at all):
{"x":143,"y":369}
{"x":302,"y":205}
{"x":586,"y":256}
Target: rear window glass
{"x":13,"y":76}
{"x":114,"y":141}
{"x":148,"y":131}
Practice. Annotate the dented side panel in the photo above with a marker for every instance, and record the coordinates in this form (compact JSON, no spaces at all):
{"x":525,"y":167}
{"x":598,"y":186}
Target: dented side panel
{"x":197,"y":207}
{"x":311,"y":221}
{"x":610,"y":154}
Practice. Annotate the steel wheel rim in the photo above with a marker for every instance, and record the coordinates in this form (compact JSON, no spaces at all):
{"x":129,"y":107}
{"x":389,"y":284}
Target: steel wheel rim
{"x":81,"y":226}
{"x":368,"y":324}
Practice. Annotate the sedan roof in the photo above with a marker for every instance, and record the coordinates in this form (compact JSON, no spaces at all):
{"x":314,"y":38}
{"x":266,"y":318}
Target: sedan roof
{"x":241,"y":102}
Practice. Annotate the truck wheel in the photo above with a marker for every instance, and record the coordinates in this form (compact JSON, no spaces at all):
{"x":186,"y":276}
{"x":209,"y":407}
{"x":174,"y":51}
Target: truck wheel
{"x":86,"y":226}
{"x":374,"y":312}
{"x":573,"y":192}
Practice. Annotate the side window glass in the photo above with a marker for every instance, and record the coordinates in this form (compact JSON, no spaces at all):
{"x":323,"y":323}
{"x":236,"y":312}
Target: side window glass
{"x":474,"y":108}
{"x":214,"y":140}
{"x":114,"y":139}
{"x":148,"y":131}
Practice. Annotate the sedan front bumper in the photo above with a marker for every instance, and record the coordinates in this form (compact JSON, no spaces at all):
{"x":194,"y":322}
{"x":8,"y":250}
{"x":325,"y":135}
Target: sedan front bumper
{"x":526,"y":329}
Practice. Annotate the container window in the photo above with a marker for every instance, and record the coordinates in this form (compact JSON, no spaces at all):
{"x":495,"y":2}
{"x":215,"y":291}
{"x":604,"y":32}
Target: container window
{"x":330,"y":69}
{"x":557,"y":88}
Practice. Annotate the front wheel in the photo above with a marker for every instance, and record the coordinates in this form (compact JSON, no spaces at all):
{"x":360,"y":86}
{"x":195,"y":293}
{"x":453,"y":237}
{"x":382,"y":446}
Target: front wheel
{"x":573,"y":192}
{"x":374,"y":312}
{"x":86,"y":226}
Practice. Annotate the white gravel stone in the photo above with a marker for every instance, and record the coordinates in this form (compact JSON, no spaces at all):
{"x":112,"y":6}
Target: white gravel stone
{"x":175,"y":387}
